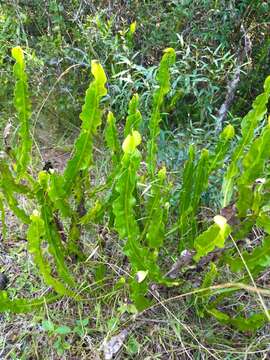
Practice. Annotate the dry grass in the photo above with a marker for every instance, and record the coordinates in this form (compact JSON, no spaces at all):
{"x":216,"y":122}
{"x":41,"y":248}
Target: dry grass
{"x":170,"y":329}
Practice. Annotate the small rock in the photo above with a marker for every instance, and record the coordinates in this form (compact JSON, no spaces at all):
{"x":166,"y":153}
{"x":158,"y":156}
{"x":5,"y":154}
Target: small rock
{"x":111,"y":347}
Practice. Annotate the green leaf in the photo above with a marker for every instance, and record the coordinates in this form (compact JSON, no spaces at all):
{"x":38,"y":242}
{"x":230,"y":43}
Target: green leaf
{"x":134,"y":116}
{"x":248,"y":126}
{"x":215,"y":160}
{"x":256,"y":261}
{"x":57,"y":194}
{"x":156,"y":212}
{"x":200,"y":179}
{"x":132,"y":27}
{"x":137,"y":293}
{"x":210,"y":277}
{"x":23,"y":107}
{"x":253,"y":165}
{"x":92,"y":214}
{"x":263,"y":221}
{"x":130,"y":34}
{"x":195,"y":181}
{"x":47,"y":325}
{"x":185,"y":206}
{"x":113,"y":324}
{"x":163,"y":78}
{"x":125,"y":222}
{"x":252,"y":323}
{"x":91,"y":120}
{"x":214,"y":236}
{"x":111,"y":138}
{"x":8,"y":180}
{"x":35,"y":236}
{"x":23,"y":305}
{"x":133,"y":347}
{"x":52,"y":235}
{"x":131,"y":142}
{"x":63,"y":330}
{"x":9,"y":188}
{"x":203,"y":300}
{"x":100,"y":272}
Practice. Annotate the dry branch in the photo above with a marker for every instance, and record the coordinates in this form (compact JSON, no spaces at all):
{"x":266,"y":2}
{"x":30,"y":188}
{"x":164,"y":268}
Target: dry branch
{"x":243,"y":53}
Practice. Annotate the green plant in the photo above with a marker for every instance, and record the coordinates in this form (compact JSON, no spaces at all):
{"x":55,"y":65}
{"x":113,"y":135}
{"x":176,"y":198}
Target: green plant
{"x":137,"y":200}
{"x":59,"y":333}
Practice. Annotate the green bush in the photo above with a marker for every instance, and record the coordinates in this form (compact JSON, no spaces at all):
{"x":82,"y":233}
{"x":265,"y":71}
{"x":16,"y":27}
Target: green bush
{"x":137,"y":199}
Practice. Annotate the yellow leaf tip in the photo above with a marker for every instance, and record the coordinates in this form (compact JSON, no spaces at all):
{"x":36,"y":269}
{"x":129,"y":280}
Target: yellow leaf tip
{"x":131,"y":142}
{"x":220,"y":221}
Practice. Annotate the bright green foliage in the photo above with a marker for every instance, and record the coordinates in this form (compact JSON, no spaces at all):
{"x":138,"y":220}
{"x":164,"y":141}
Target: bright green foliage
{"x":56,"y":194}
{"x":256,"y":261}
{"x":203,"y":301}
{"x":248,"y":126}
{"x":134,"y":116}
{"x":14,"y":205}
{"x":263,"y":221}
{"x":253,"y":165}
{"x":186,"y":192}
{"x":195,"y":181}
{"x":35,"y":236}
{"x":8,"y":181}
{"x":74,"y":232}
{"x":91,"y":120}
{"x":92,"y":214}
{"x":111,"y":138}
{"x":201,"y":179}
{"x":163,"y":78}
{"x":123,"y":208}
{"x":214,"y":236}
{"x":23,"y":305}
{"x":137,"y":200}
{"x":210,"y":276}
{"x":130,"y":34}
{"x":23,"y":107}
{"x":52,"y":235}
{"x":156,"y":211}
{"x":251,"y":323}
{"x":125,"y":222}
{"x":132,"y":27}
{"x":253,"y":200}
{"x":52,"y":191}
{"x":9,"y":188}
{"x":142,"y":259}
{"x":221,"y":148}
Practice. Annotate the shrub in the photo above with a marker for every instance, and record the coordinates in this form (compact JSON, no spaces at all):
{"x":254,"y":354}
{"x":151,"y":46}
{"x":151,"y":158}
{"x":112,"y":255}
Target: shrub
{"x":143,"y":219}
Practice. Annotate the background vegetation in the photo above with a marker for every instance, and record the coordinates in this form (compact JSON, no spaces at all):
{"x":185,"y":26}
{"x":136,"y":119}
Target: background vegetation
{"x":215,"y":42}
